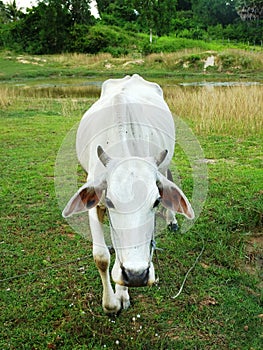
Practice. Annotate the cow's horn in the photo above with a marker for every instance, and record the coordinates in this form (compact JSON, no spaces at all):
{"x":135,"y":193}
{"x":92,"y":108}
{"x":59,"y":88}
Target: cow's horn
{"x":161,"y":157}
{"x":104,"y":158}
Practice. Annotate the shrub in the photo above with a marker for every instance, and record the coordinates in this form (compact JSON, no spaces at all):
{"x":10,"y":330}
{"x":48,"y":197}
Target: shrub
{"x":192,"y":33}
{"x":117,"y":51}
{"x":100,"y":38}
{"x":173,"y":44}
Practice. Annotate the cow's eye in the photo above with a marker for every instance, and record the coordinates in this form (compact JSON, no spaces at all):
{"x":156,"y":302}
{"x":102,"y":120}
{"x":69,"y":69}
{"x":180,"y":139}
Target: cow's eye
{"x":109,"y":203}
{"x":157,"y":202}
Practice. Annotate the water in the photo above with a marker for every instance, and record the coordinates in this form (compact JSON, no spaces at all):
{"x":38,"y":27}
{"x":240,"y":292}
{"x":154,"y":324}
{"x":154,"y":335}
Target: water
{"x":221,"y":83}
{"x":194,"y":84}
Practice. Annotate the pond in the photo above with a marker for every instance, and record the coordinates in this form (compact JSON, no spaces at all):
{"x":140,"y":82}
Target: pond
{"x":221,"y":83}
{"x":98,"y":84}
{"x":80,"y":87}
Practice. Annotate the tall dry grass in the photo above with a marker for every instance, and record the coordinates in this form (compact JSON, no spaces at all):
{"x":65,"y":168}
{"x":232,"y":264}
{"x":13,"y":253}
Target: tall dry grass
{"x":61,"y":91}
{"x":227,"y":59}
{"x":254,"y":56}
{"x":236,"y":110}
{"x":81,"y":59}
{"x":7,"y":95}
{"x":224,"y":110}
{"x":169,"y":59}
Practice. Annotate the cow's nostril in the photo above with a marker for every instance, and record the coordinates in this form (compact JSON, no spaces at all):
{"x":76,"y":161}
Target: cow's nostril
{"x":135,"y":278}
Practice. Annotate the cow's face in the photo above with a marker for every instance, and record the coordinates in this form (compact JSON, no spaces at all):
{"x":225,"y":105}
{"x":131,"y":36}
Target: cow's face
{"x":131,"y":197}
{"x":132,"y":187}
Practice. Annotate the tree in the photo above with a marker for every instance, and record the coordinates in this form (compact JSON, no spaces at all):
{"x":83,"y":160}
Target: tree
{"x":144,"y":15}
{"x":12,"y":11}
{"x":46,"y":27}
{"x":156,"y":15}
{"x":117,"y":12}
{"x":212,"y":12}
{"x":3,"y":17}
{"x":166,"y":11}
{"x":250,"y":9}
{"x":103,"y":5}
{"x":184,"y":5}
{"x":79,"y":11}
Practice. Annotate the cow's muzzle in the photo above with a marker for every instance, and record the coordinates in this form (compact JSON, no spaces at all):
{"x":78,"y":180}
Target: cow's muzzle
{"x":134,"y":278}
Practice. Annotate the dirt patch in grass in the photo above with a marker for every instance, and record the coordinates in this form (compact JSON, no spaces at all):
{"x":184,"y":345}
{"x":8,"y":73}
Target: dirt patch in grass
{"x":254,"y":255}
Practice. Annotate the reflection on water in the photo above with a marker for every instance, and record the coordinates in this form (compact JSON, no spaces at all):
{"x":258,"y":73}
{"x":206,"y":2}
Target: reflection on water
{"x":58,"y":84}
{"x":220,"y":83}
{"x":98,"y":84}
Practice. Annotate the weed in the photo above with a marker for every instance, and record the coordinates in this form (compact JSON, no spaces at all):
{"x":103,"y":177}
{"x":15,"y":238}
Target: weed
{"x":228,"y":111}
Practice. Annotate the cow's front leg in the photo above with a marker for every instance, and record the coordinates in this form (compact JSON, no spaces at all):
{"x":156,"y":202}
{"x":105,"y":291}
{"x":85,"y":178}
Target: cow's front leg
{"x":171,"y":221}
{"x":110,"y":302}
{"x":123,"y":295}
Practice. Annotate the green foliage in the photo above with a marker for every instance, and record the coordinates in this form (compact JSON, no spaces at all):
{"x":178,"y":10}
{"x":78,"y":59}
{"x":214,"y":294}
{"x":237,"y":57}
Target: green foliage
{"x":214,"y":11}
{"x":193,"y":33}
{"x":156,"y":15}
{"x":53,"y":26}
{"x":250,"y":9}
{"x":45,"y":28}
{"x":101,"y":38}
{"x":173,"y":44}
{"x":141,"y":15}
{"x":239,"y":32}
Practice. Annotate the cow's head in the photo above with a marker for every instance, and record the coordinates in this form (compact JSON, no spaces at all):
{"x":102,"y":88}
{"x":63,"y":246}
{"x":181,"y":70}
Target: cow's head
{"x":131,"y":189}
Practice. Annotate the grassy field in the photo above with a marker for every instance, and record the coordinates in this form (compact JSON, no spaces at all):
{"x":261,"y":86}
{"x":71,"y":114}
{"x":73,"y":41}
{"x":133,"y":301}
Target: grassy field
{"x":230,"y":64}
{"x":50,"y":294}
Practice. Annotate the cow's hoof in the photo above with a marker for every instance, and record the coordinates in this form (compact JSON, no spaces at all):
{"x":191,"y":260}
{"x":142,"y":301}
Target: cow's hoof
{"x":112,"y":309}
{"x":125,"y":304}
{"x":173,"y":227}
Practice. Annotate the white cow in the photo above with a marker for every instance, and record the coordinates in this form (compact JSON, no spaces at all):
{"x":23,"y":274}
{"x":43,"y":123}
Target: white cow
{"x":125,"y":142}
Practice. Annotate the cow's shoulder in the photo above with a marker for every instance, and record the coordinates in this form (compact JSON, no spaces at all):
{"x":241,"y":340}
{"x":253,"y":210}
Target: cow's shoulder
{"x":133,"y":85}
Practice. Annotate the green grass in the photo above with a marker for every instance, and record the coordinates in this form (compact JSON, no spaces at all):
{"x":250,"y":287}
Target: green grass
{"x":185,"y":63}
{"x":51,"y":299}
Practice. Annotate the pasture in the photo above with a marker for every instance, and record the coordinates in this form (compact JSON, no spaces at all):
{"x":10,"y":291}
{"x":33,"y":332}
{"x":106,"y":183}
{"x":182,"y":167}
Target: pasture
{"x":50,"y":294}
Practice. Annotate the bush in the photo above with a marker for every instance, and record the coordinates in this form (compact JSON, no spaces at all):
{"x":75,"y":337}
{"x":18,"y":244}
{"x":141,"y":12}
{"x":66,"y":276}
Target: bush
{"x":99,"y":38}
{"x":117,"y":51}
{"x":78,"y":38}
{"x":173,"y":44}
{"x":193,"y":33}
{"x":239,"y":31}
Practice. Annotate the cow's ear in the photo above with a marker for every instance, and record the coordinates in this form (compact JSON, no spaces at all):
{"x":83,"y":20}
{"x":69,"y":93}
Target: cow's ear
{"x":87,"y":197}
{"x":173,"y":197}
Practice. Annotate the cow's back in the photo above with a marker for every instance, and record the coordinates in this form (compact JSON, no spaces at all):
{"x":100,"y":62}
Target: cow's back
{"x":131,"y":118}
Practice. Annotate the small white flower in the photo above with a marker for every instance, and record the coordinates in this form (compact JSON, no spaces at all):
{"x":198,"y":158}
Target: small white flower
{"x":138,"y":316}
{"x":134,"y":319}
{"x":117,"y":342}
